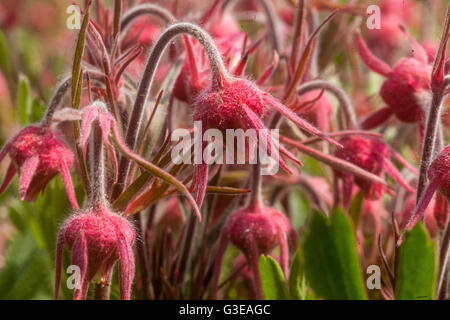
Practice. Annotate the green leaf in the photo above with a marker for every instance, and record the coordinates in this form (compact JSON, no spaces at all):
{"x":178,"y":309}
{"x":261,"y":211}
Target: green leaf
{"x":331,"y":261}
{"x":76,"y":68}
{"x":299,"y":206}
{"x":297,"y":280}
{"x":23,"y":100}
{"x":417,"y":266}
{"x":272,"y":279}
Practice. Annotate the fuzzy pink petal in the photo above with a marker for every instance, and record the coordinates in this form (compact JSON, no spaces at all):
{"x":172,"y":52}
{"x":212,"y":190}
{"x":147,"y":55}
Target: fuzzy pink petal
{"x":289,"y":155}
{"x":253,"y":262}
{"x":80,"y":259}
{"x":376,"y":118}
{"x":270,"y":144}
{"x":421,"y":206}
{"x":26,"y":175}
{"x":126,"y":267}
{"x":58,"y":261}
{"x":9,"y":176}
{"x":68,"y":184}
{"x":371,"y":61}
{"x":5,"y":150}
{"x":403,"y":162}
{"x":303,"y":124}
{"x":395,"y":174}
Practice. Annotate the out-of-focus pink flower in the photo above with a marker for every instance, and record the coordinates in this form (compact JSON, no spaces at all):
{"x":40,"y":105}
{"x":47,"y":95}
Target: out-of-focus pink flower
{"x":39,"y":154}
{"x":429,"y":219}
{"x":406,"y":90}
{"x":373,"y":156}
{"x":255,"y":231}
{"x":9,"y":13}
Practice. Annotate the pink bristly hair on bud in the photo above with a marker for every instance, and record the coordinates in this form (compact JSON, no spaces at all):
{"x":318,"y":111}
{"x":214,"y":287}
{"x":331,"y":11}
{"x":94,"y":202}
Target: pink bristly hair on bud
{"x":39,"y":154}
{"x":438,"y":179}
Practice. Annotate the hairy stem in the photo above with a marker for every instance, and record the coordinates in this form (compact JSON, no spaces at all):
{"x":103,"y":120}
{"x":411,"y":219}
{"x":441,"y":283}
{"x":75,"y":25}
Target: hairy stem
{"x":256,"y":187}
{"x":217,"y":68}
{"x":97,"y":166}
{"x":55,"y":101}
{"x":429,"y":142}
{"x":152,"y":9}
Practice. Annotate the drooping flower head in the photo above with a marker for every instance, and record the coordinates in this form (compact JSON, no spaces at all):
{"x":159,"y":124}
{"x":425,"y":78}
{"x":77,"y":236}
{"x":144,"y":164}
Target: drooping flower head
{"x":240,"y":104}
{"x":255,"y":230}
{"x":373,"y":156}
{"x":406,"y":90}
{"x":97,"y":238}
{"x":38,"y":154}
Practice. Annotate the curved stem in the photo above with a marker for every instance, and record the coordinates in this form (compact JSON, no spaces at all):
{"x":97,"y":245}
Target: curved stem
{"x":218,"y":73}
{"x":344,"y":100}
{"x":131,"y":15}
{"x":55,"y":101}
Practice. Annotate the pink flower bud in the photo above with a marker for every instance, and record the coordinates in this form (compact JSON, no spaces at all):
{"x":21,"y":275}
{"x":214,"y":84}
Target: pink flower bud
{"x":39,"y":154}
{"x":255,"y":231}
{"x":406,"y":90}
{"x":373,"y":156}
{"x":97,"y":238}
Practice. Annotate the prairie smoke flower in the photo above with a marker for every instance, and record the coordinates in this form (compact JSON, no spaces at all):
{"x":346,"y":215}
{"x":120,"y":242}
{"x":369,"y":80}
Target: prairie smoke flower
{"x":406,"y":90}
{"x":373,"y":156}
{"x":255,"y":230}
{"x":38,"y":154}
{"x":240,"y":104}
{"x":97,"y":238}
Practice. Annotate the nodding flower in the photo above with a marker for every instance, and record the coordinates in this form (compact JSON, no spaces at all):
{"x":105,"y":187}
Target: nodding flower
{"x":38,"y":153}
{"x":97,"y":236}
{"x":373,"y":156}
{"x":438,"y":179}
{"x":255,"y":230}
{"x":239,"y":104}
{"x":407,"y":88}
